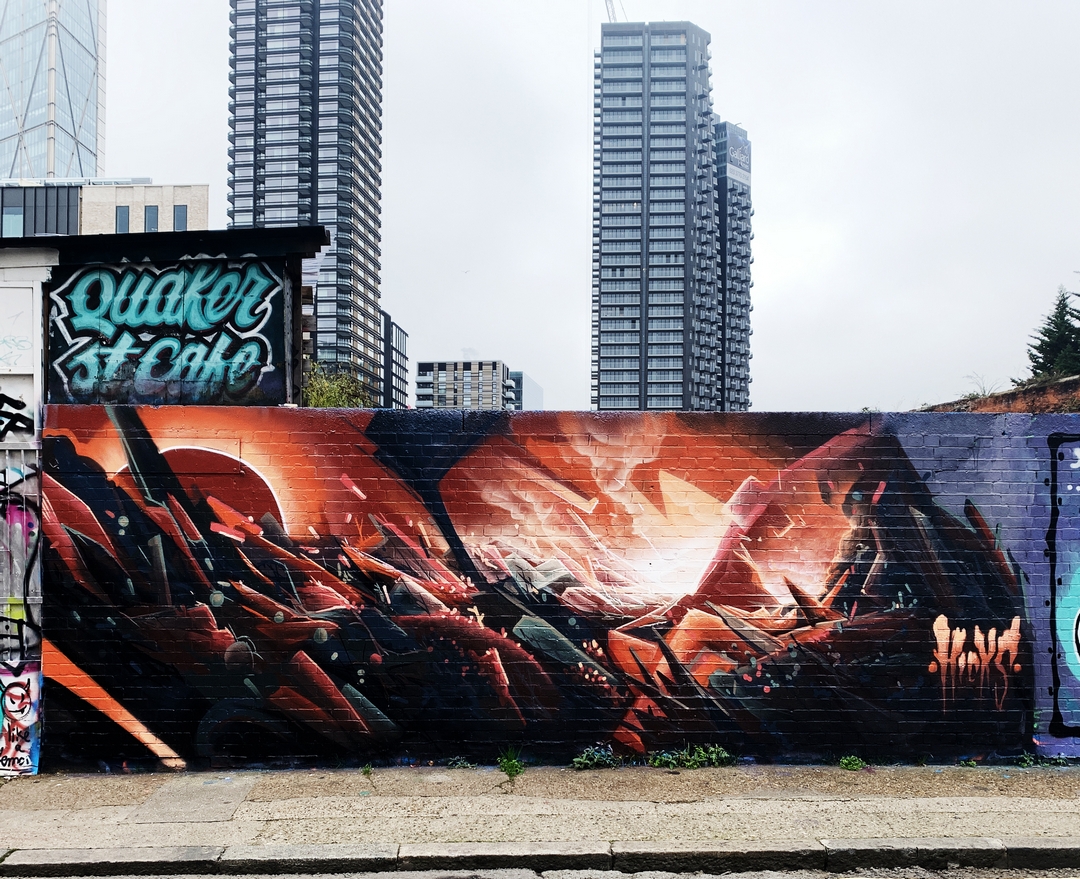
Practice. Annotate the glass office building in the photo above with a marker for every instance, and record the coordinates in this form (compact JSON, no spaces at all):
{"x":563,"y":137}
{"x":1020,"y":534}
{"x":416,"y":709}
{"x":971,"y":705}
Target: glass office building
{"x":661,"y":314}
{"x":305,"y":148}
{"x":52,"y":88}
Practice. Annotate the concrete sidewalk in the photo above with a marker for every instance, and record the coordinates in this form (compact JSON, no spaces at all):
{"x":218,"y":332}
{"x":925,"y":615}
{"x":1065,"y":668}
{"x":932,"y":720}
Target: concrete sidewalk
{"x":631,"y":820}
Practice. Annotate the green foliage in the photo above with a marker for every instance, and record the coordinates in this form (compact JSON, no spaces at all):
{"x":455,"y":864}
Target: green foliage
{"x":971,"y":764}
{"x":510,"y":762}
{"x":1055,"y":348}
{"x":663,"y":759}
{"x":335,"y":390}
{"x":1027,"y":761}
{"x":596,"y":757}
{"x":852,"y":763}
{"x":366,"y":770}
{"x":459,"y":763}
{"x":695,"y":757}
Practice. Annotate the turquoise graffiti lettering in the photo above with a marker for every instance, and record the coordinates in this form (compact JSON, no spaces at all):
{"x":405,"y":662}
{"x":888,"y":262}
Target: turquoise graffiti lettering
{"x":165,"y":364}
{"x":190,"y":330}
{"x":104,"y":300}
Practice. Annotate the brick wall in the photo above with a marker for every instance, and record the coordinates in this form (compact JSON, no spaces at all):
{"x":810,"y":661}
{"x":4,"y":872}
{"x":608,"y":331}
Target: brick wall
{"x":1061,"y":395}
{"x":362,"y":585}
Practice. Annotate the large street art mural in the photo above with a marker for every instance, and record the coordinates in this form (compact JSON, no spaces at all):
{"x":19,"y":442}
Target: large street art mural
{"x":269,"y":582}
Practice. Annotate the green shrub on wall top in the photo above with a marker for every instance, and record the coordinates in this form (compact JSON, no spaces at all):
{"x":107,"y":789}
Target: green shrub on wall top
{"x":335,"y":390}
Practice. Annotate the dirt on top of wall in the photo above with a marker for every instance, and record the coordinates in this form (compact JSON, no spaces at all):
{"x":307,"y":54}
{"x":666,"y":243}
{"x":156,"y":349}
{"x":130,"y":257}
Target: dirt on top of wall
{"x":1055,"y":396}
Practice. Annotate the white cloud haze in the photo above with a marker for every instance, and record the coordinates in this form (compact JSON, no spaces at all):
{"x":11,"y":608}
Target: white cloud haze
{"x":915,"y":178}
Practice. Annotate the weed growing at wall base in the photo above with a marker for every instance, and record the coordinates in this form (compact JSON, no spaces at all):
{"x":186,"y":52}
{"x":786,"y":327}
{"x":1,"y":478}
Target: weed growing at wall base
{"x":509,"y":761}
{"x":696,"y":757}
{"x":596,"y":757}
{"x":852,"y":763}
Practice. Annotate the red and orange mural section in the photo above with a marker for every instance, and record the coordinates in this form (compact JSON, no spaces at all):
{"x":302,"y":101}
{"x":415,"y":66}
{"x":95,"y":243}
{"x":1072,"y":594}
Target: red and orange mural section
{"x":259,"y":583}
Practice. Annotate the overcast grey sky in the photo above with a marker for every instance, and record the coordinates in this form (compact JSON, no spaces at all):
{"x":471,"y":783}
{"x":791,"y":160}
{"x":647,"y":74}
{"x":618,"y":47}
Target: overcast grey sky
{"x":916,"y":177}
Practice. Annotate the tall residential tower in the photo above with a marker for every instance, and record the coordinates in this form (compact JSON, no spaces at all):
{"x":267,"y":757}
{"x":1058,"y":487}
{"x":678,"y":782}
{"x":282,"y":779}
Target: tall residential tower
{"x":664,"y":314}
{"x":306,"y":149}
{"x":733,"y":262}
{"x":52,"y":88}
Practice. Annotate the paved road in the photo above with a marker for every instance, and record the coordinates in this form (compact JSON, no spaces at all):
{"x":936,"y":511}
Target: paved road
{"x":907,"y":873}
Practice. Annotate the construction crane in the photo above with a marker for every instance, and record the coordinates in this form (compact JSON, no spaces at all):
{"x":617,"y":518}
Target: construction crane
{"x":611,"y":16}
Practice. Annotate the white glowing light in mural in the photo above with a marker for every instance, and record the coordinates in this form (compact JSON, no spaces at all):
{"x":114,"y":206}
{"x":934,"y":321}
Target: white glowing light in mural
{"x":245,"y":464}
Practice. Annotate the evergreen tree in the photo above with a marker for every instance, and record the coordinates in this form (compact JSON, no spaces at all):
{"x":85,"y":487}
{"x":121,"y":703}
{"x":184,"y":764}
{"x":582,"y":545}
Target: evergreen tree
{"x":1055,"y":348}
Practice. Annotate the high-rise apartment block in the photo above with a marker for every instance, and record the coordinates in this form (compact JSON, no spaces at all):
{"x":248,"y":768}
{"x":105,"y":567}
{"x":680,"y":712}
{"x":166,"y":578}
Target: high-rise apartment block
{"x":734,"y":211}
{"x":464,"y":384}
{"x":52,"y":88}
{"x":306,"y":149}
{"x":669,"y":331}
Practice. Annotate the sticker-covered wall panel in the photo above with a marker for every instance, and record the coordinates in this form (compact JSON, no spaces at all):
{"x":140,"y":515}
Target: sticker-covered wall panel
{"x":21,"y":356}
{"x":300,"y":582}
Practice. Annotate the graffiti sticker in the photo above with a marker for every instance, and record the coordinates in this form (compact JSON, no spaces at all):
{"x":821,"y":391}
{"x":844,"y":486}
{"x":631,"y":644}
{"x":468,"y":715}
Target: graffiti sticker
{"x":203,"y":331}
{"x":20,"y":700}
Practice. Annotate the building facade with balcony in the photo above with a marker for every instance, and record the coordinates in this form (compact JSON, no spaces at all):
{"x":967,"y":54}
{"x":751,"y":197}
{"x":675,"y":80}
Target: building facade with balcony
{"x":528,"y":395}
{"x":734,"y":211}
{"x":305,"y":148}
{"x":658,"y":294}
{"x":464,"y":384}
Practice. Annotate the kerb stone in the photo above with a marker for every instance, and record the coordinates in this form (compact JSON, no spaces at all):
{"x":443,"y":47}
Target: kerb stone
{"x":538,"y":856}
{"x":979,"y":851}
{"x":339,"y":858}
{"x":150,"y":861}
{"x":843,"y":855}
{"x":1042,"y":853}
{"x":713,"y":856}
